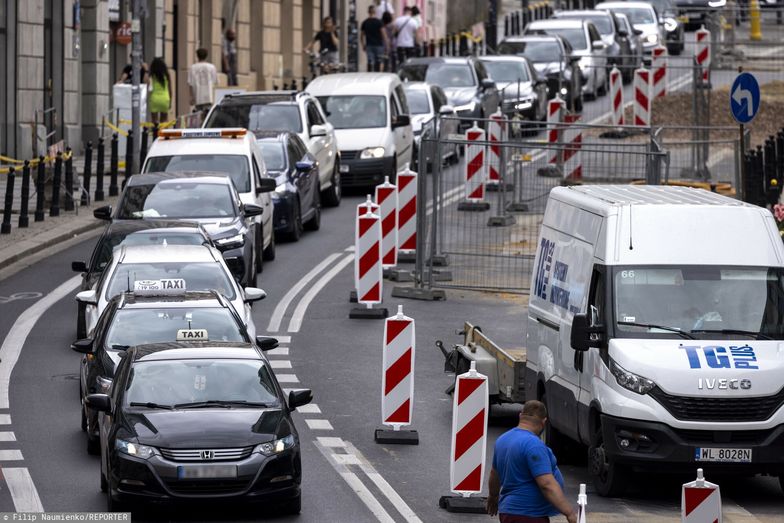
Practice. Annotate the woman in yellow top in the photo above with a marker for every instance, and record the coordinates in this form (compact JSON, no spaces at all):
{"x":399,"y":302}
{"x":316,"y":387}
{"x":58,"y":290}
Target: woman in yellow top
{"x":160,"y":92}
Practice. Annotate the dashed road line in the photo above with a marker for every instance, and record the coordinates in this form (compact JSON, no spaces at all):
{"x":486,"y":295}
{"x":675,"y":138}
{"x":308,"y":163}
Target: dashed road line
{"x":310,"y":408}
{"x":5,"y":419}
{"x":7,"y":436}
{"x":319,"y":424}
{"x":280,"y":351}
{"x":280,"y":364}
{"x":22,"y":489}
{"x":11,"y":455}
{"x":287,"y":378}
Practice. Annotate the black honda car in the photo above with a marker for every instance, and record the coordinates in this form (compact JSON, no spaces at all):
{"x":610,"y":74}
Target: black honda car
{"x":198,"y":422}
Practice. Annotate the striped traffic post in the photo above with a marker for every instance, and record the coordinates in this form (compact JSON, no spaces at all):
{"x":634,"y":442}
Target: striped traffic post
{"x":397,"y":380}
{"x":475,"y":171}
{"x":556,"y":110}
{"x":469,"y":443}
{"x":368,"y":206}
{"x":496,"y":131}
{"x":659,"y":71}
{"x":616,"y":95}
{"x":386,"y":198}
{"x":703,"y":53}
{"x":406,"y":215}
{"x":700,"y":501}
{"x":368,"y":280}
{"x":642,"y":97}
{"x":573,"y":139}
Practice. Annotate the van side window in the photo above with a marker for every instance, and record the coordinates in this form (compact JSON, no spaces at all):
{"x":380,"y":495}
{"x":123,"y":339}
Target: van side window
{"x":596,"y":295}
{"x":314,"y":117}
{"x":256,"y":171}
{"x":395,"y":110}
{"x":436,"y":99}
{"x":593,"y":33}
{"x":400,"y":94}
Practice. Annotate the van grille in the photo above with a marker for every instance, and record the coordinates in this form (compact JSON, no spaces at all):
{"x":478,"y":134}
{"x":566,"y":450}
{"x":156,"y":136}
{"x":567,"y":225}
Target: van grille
{"x":349,"y":155}
{"x":688,"y":408}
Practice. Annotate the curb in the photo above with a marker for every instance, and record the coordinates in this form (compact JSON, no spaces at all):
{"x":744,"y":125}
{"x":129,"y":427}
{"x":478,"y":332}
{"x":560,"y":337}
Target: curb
{"x":51,"y":242}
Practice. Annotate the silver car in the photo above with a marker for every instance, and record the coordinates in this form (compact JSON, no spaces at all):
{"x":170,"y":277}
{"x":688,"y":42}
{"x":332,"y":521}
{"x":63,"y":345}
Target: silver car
{"x":523,"y":90}
{"x":643,"y":17}
{"x":425,"y":101}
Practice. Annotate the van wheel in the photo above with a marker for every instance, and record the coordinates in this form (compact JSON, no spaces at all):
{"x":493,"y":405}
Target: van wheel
{"x":609,"y":479}
{"x":552,"y":438}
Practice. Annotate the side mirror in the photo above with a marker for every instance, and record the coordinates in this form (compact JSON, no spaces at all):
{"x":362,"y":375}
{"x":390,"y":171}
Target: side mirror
{"x":103,"y":213}
{"x":266,"y":343}
{"x":99,"y":402}
{"x":598,"y":45}
{"x":446,"y":110}
{"x":87,"y":297}
{"x":304,"y":166}
{"x":488,"y":84}
{"x":253,"y":294}
{"x":574,"y":59}
{"x":637,"y":32}
{"x":251,"y":209}
{"x":317,"y":130}
{"x":266,"y":185}
{"x":78,"y":266}
{"x":85,"y":346}
{"x":623,"y":33}
{"x":584,"y":336}
{"x":402,"y":120}
{"x":298,"y":398}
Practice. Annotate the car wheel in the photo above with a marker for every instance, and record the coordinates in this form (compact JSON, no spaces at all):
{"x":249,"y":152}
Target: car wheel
{"x":104,"y":483}
{"x":259,"y":244}
{"x":81,"y":322}
{"x":333,"y":195}
{"x":609,"y":479}
{"x":84,"y":419}
{"x":296,"y":224}
{"x":268,"y":254}
{"x":314,"y":223}
{"x":293,"y":506}
{"x":93,"y":445}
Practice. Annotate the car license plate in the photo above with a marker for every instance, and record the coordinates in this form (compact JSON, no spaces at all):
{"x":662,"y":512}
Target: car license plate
{"x":206,"y":471}
{"x":722,"y":455}
{"x":344,"y":168}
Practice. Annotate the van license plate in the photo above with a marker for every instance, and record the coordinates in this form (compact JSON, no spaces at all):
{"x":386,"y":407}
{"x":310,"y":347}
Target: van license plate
{"x":723,"y":455}
{"x":206,"y":471}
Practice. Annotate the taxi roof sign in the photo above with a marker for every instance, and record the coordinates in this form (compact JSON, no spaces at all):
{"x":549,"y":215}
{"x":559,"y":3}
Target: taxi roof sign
{"x":233,"y":132}
{"x":164,"y":287}
{"x":192,"y":335}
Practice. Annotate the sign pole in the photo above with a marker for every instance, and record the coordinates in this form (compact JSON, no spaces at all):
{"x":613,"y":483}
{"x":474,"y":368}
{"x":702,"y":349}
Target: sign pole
{"x":136,"y":65}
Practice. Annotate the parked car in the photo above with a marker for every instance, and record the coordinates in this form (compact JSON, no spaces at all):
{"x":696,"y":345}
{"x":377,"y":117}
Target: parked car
{"x":643,"y":17}
{"x":619,"y":53}
{"x":674,"y":26}
{"x":425,"y":101}
{"x":523,"y":90}
{"x":695,"y":11}
{"x":467,"y":85}
{"x":552,"y":58}
{"x":298,"y":112}
{"x":297,"y":199}
{"x":586,"y":42}
{"x":635,"y":43}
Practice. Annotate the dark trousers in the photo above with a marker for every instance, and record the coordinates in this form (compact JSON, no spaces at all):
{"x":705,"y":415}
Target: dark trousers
{"x":514,"y":518}
{"x":403,"y":53}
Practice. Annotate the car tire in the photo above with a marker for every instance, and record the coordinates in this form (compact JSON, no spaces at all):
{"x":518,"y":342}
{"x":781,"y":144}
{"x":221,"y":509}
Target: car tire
{"x":293,"y":506}
{"x":112,"y":505}
{"x":314,"y":223}
{"x":268,"y":254}
{"x":609,"y":479}
{"x":296,"y":224}
{"x":93,"y":445}
{"x":334,"y":194}
{"x":259,"y":246}
{"x":81,"y":321}
{"x":104,"y":483}
{"x":84,"y":420}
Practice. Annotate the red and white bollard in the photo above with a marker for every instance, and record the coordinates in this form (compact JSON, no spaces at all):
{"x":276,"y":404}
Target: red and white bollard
{"x":469,"y":441}
{"x":556,"y":109}
{"x":616,"y":96}
{"x":397,"y":381}
{"x":475,"y":171}
{"x":406,"y":215}
{"x":368,"y":206}
{"x":582,"y":504}
{"x":700,"y":501}
{"x":386,"y":196}
{"x":573,"y":141}
{"x":496,"y":133}
{"x":703,"y":52}
{"x":368,"y":274}
{"x":642,"y":97}
{"x":659,"y":70}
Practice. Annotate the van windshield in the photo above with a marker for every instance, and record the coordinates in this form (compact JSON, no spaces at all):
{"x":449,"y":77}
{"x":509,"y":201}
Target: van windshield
{"x":707,"y":302}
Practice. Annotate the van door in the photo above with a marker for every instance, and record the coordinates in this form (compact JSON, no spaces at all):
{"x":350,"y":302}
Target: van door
{"x":585,"y":362}
{"x":404,"y":136}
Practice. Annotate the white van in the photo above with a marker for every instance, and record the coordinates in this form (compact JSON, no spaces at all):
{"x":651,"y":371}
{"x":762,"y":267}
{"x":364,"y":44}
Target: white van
{"x":372,"y":124}
{"x":656,"y":331}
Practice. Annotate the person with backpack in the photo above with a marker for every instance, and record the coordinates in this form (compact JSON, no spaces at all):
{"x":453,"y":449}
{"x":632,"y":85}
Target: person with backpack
{"x":406,"y":27}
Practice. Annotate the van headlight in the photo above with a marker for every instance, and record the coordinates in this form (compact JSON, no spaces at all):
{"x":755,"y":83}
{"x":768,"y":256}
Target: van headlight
{"x":276,"y":446}
{"x":134,"y":449}
{"x":629,"y":380}
{"x":372,"y":152}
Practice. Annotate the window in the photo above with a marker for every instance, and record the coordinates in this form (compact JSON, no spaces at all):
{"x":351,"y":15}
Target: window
{"x":402,"y":99}
{"x":235,"y":165}
{"x":481,"y":71}
{"x":508,"y":72}
{"x":256,"y":172}
{"x":173,"y":199}
{"x":293,"y":152}
{"x":418,"y":101}
{"x":445,"y":75}
{"x":200,"y":276}
{"x":395,"y":109}
{"x":593,"y":33}
{"x":314,"y":116}
{"x":273,"y":153}
{"x":355,"y":112}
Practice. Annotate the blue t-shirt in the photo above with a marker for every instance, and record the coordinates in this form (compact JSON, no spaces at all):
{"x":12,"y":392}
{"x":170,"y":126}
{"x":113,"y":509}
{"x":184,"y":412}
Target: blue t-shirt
{"x":520,"y":456}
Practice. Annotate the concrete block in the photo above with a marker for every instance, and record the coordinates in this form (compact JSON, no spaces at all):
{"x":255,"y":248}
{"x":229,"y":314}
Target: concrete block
{"x":30,"y":72}
{"x":243,"y":62}
{"x":27,"y":102}
{"x":297,"y":17}
{"x":271,"y":14}
{"x":71,"y":75}
{"x":243,"y":10}
{"x":73,"y":136}
{"x":71,"y":108}
{"x":243,"y":36}
{"x":271,"y":40}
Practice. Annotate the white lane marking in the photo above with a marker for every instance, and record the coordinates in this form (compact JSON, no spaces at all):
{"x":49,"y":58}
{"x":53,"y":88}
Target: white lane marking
{"x":319,"y":424}
{"x":17,"y":335}
{"x":310,"y":408}
{"x":280,"y":364}
{"x":304,"y":302}
{"x":287,"y":378}
{"x":329,"y":442}
{"x":5,"y":419}
{"x":283,"y":339}
{"x":7,"y":436}
{"x":22,"y":490}
{"x":350,"y":248}
{"x":11,"y":455}
{"x":280,"y":351}
{"x":346,"y":459}
{"x":280,"y":308}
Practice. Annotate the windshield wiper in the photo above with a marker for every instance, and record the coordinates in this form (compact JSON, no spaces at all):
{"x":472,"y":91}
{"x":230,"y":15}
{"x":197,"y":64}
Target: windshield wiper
{"x":757,"y":335}
{"x":120,"y":347}
{"x":219,"y":403}
{"x":683,"y":334}
{"x":150,"y":405}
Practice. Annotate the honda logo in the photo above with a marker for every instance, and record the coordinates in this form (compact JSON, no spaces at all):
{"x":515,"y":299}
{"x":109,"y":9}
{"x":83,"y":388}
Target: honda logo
{"x":207,"y":454}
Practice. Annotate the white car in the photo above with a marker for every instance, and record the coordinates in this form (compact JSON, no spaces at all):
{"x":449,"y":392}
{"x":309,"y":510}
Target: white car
{"x":200,"y":267}
{"x":232,"y":151}
{"x":425,"y":101}
{"x":296,"y":112}
{"x":644,"y":18}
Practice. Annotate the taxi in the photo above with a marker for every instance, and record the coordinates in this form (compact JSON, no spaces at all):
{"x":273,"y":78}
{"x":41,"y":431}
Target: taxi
{"x":198,"y":422}
{"x":173,"y":268}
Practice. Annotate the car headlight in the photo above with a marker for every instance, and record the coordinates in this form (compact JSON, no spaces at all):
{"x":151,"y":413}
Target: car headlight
{"x":651,"y":39}
{"x":232,"y":242}
{"x":629,"y":380}
{"x":467,"y":107}
{"x":134,"y":449}
{"x":276,"y":446}
{"x":524,"y":103}
{"x":372,"y":152}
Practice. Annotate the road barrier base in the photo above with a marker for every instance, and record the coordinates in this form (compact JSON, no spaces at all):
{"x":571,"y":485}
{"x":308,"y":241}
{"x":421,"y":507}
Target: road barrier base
{"x":399,"y":275}
{"x":352,"y":297}
{"x":517,"y":207}
{"x":413,"y":293}
{"x":501,"y":221}
{"x":473,"y":206}
{"x":463,"y":505}
{"x":363,"y":313}
{"x":439,"y":260}
{"x":438,"y":275}
{"x":406,"y":256}
{"x":550,"y":171}
{"x":396,"y":437}
{"x":497,"y":187}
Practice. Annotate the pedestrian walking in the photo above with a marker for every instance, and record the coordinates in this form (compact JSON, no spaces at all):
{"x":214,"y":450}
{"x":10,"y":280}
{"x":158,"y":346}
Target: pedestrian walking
{"x":202,"y":78}
{"x":125,"y":76}
{"x":160,"y":91}
{"x":328,"y":42}
{"x":374,"y":40}
{"x":406,"y":27}
{"x":525,"y":483}
{"x":390,"y":63}
{"x":229,"y":61}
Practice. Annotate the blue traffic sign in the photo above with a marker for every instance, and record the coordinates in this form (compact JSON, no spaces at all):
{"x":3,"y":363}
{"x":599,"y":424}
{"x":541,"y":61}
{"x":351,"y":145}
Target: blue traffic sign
{"x":744,"y":98}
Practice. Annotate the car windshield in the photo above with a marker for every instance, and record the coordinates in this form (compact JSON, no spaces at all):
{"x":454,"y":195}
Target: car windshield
{"x":507,"y":72}
{"x":176,"y":382}
{"x":201,"y":276}
{"x":235,"y":165}
{"x":418,"y":102}
{"x":637,"y":15}
{"x":177,"y":200}
{"x":104,"y":249}
{"x":445,"y":75}
{"x":601,"y":21}
{"x":661,"y":6}
{"x":355,"y":112}
{"x":574,"y":35}
{"x":274,"y":116}
{"x":274,"y":154}
{"x":535,"y":51}
{"x":695,"y":299}
{"x":131,"y":327}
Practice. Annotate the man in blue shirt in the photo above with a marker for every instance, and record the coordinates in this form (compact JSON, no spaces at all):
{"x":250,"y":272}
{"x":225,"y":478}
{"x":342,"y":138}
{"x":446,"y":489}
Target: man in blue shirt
{"x":525,"y":474}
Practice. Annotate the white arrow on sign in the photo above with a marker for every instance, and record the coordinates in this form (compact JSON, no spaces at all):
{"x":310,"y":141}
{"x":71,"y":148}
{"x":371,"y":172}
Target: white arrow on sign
{"x":738,"y":95}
